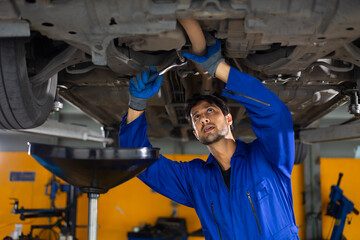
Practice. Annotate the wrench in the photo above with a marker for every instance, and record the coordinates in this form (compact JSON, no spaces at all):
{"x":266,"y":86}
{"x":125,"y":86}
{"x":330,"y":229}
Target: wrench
{"x":176,"y":64}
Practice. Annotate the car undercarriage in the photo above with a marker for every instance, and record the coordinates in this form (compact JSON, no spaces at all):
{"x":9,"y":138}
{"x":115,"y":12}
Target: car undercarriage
{"x":306,"y":52}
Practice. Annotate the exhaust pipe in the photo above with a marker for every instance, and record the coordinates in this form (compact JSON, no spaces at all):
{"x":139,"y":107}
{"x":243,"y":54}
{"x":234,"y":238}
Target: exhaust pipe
{"x":195,"y":34}
{"x":198,"y":43}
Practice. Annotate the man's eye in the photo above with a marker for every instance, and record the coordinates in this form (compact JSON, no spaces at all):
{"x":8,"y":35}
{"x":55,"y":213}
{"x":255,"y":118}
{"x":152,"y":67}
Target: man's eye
{"x":210,"y":110}
{"x":196,"y":117}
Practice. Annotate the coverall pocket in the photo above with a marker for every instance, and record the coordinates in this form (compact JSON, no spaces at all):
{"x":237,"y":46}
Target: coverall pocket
{"x":273,"y":221}
{"x":290,"y":232}
{"x":261,"y":190}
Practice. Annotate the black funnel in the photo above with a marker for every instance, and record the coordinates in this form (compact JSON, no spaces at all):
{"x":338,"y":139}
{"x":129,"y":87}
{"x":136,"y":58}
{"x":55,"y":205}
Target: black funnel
{"x":93,"y":170}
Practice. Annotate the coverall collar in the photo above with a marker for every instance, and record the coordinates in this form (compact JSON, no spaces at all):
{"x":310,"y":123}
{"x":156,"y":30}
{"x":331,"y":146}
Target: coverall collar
{"x":240,"y":150}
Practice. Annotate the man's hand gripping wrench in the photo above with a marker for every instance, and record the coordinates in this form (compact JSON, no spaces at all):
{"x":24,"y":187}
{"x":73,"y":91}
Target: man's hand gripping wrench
{"x":181,"y":61}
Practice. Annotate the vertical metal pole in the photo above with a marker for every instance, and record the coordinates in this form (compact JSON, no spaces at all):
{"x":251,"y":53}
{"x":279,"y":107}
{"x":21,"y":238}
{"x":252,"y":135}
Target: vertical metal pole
{"x":72,"y":201}
{"x":313,"y":194}
{"x":93,"y":212}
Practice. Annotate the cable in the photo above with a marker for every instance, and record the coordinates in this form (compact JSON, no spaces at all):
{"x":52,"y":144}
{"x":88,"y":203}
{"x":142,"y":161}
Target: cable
{"x":333,"y":68}
{"x":84,"y":70}
{"x":56,"y":237}
{"x":55,"y":234}
{"x":331,"y":227}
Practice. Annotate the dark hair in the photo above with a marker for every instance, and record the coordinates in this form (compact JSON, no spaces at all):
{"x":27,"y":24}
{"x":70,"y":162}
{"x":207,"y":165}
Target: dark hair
{"x":212,"y":99}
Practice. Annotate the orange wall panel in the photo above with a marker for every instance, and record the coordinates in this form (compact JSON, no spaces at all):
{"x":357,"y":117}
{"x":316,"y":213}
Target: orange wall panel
{"x":297,"y":182}
{"x":30,"y":194}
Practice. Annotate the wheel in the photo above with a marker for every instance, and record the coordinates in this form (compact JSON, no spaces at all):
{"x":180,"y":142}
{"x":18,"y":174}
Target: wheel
{"x":22,"y":104}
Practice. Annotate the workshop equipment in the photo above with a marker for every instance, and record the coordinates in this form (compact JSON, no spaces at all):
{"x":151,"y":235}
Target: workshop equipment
{"x":164,"y":229}
{"x":66,"y":217}
{"x":93,"y":170}
{"x":339,"y":207}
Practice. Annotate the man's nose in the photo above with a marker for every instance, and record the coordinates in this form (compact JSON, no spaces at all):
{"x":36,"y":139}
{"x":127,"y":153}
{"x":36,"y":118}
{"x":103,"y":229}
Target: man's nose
{"x":204,"y":120}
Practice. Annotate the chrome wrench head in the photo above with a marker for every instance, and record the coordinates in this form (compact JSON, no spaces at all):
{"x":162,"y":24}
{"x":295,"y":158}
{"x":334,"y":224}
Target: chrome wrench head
{"x":176,"y":64}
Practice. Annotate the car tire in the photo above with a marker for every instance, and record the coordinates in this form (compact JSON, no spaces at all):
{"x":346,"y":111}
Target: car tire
{"x":22,"y":104}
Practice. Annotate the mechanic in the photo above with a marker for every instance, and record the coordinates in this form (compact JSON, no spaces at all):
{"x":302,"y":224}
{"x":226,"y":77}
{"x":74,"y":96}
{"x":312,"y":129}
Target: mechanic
{"x":243,"y":190}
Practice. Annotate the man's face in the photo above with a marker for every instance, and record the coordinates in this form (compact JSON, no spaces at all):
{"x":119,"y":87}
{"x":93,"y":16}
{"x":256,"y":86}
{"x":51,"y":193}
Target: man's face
{"x":209,"y":123}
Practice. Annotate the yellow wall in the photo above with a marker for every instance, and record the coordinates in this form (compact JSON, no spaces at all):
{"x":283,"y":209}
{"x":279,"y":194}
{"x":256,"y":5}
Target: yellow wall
{"x":350,"y":183}
{"x":30,"y":194}
{"x":297,"y":178}
{"x":122,"y":208}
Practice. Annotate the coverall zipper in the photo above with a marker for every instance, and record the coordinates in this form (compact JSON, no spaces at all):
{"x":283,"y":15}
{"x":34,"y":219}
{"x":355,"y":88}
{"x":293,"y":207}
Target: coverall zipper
{"x":213,"y":212}
{"x":248,"y":97}
{"x":253,"y":209}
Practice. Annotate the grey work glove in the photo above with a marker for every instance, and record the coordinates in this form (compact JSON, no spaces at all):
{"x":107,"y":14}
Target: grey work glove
{"x":210,"y":61}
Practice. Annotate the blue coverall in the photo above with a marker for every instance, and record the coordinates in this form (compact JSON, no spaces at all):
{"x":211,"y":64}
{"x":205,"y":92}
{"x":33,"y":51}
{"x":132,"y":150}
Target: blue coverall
{"x":259,"y":203}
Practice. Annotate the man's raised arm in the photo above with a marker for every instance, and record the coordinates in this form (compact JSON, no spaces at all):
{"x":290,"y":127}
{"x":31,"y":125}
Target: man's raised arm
{"x":270,"y":118}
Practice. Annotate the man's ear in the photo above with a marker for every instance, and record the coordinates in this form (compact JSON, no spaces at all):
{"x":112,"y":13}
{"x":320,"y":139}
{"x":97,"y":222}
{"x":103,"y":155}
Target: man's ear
{"x":229,"y":119}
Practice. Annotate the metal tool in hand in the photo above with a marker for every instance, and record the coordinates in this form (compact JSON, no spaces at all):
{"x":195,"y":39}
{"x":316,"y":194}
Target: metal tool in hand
{"x":181,"y":61}
{"x":176,"y":64}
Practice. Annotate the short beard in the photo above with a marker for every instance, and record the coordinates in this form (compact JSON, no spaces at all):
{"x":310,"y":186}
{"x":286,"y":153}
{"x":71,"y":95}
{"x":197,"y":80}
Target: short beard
{"x":214,"y":138}
{"x":206,"y":141}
